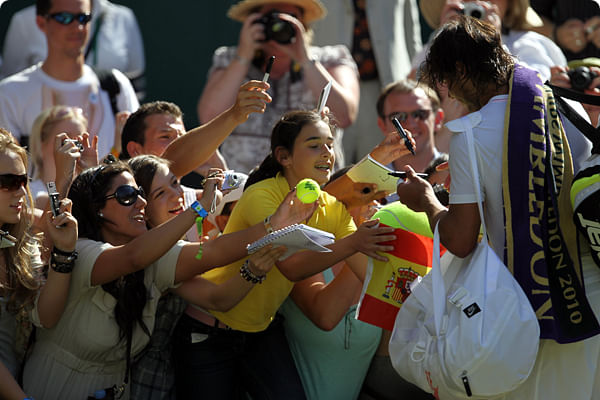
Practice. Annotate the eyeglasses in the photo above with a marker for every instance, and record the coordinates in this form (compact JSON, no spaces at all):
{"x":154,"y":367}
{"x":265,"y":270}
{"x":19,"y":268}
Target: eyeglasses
{"x":403,"y":116}
{"x":126,"y":195}
{"x":65,"y":18}
{"x":12,"y":182}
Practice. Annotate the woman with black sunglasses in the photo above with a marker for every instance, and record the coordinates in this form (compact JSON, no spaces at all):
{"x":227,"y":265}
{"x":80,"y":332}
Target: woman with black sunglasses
{"x":21,"y":269}
{"x":119,"y":276}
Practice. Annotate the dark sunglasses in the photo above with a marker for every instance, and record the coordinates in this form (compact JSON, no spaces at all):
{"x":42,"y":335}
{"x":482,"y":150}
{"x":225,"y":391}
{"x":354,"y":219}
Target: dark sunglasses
{"x":12,"y":182}
{"x":126,"y":195}
{"x":403,"y":116}
{"x":65,"y":18}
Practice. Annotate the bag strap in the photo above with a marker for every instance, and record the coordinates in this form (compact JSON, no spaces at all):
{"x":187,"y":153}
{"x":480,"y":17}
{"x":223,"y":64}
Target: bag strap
{"x":439,"y":289}
{"x":110,"y":84}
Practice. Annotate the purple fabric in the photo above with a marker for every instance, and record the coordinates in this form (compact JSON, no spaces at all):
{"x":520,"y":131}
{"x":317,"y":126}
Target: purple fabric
{"x":541,"y":263}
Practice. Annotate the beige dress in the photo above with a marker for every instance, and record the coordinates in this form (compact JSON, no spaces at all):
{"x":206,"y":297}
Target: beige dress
{"x":82,"y":353}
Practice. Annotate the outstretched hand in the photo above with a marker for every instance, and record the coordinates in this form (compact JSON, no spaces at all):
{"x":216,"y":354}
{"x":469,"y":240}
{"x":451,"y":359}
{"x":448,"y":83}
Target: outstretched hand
{"x":62,"y":229}
{"x":261,"y":262}
{"x":392,"y":147}
{"x":368,"y":237}
{"x":212,"y":196}
{"x":416,"y":193}
{"x":252,"y":97}
{"x":292,"y":211}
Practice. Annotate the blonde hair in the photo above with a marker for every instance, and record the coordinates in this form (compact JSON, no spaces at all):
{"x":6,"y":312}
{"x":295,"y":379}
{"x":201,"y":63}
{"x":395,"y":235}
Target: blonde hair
{"x":22,"y":283}
{"x":41,"y":128}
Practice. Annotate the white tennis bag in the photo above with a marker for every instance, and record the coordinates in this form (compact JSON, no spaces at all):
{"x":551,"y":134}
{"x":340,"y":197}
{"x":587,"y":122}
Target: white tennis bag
{"x":467,"y":330}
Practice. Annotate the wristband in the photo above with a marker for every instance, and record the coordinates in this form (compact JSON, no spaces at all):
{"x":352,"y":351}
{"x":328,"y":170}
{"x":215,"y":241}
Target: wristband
{"x":242,"y":60}
{"x":196,"y":206}
{"x":249,"y":275}
{"x":62,"y":261}
{"x":267,"y":223}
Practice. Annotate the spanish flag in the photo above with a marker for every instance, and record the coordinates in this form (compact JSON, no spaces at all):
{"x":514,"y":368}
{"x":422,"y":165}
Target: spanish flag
{"x":387,"y":284}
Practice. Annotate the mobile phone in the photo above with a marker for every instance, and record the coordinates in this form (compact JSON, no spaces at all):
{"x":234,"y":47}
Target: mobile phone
{"x":231,"y":181}
{"x":53,"y":196}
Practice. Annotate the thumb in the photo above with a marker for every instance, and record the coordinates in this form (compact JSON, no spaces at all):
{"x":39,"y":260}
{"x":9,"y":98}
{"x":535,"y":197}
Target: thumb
{"x":410,"y":173}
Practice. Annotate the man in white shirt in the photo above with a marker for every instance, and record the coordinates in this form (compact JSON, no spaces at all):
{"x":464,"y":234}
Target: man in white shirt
{"x":417,"y":108}
{"x":115,"y":41}
{"x":63,"y":78}
{"x":523,"y":201}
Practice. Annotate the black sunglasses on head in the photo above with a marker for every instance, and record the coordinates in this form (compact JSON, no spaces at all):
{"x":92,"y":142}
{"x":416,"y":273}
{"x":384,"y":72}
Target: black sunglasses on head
{"x":12,"y":182}
{"x":65,"y":18}
{"x":126,"y":195}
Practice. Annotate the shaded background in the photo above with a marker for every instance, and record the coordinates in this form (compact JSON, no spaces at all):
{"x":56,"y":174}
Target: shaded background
{"x":179,"y":40}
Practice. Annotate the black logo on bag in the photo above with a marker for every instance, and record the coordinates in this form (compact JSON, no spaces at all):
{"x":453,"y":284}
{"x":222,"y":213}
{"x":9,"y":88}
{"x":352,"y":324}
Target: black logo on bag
{"x":471,"y":310}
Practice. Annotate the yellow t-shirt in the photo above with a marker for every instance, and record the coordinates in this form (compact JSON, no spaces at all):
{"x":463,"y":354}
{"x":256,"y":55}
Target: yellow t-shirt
{"x":257,"y":309}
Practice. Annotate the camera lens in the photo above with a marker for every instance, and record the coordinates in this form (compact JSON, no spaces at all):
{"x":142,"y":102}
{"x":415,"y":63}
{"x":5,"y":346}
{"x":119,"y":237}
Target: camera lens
{"x":276,"y":29}
{"x":581,"y":78}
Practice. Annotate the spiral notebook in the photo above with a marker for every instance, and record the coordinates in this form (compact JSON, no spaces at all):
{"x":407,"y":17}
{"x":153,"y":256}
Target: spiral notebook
{"x":295,"y":237}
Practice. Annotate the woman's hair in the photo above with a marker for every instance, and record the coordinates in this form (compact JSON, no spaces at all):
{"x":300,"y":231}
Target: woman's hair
{"x":21,"y":284}
{"x":284,"y":134}
{"x":88,"y":193}
{"x":467,"y":48}
{"x":144,"y":168}
{"x":42,"y":126}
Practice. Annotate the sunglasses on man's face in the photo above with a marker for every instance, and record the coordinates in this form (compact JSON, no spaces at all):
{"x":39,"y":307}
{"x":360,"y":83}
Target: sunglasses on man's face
{"x":126,"y":195}
{"x":403,"y":116}
{"x":12,"y":182}
{"x":65,"y":18}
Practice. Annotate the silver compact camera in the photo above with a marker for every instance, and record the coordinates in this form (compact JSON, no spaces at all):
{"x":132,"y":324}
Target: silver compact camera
{"x":231,"y":181}
{"x":474,"y":10}
{"x":76,"y":142}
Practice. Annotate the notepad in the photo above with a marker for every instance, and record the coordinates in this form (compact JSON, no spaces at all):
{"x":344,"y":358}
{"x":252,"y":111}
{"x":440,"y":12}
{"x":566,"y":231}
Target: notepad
{"x":368,"y":170}
{"x":295,"y":237}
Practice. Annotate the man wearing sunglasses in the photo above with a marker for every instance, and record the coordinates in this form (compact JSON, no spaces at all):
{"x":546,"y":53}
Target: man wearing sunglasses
{"x":63,"y":78}
{"x":417,"y":107}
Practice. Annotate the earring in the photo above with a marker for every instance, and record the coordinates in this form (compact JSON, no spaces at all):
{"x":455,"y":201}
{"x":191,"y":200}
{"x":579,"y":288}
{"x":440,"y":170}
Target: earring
{"x":100,"y":214}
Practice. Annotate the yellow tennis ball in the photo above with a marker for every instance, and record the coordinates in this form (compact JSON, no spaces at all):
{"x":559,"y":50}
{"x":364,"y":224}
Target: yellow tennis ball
{"x":308,"y":190}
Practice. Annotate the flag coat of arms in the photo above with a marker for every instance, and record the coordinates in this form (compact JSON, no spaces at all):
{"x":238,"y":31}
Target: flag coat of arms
{"x":387,"y":284}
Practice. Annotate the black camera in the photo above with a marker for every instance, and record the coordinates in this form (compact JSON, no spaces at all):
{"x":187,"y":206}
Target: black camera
{"x":581,"y":78}
{"x":276,"y":28}
{"x":473,"y":10}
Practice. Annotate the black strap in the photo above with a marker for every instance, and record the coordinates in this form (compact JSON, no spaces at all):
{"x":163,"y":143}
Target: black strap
{"x":110,"y":84}
{"x":94,"y":38}
{"x":589,"y":131}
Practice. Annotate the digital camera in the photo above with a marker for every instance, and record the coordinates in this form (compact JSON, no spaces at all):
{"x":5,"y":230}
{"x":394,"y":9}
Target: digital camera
{"x":474,"y":10}
{"x":581,"y":78}
{"x":232,"y":180}
{"x":76,"y":142}
{"x":276,"y":28}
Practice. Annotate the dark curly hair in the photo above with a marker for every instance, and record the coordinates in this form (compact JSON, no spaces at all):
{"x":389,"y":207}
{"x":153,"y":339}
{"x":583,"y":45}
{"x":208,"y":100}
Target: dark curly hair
{"x":464,"y":49}
{"x":88,"y":193}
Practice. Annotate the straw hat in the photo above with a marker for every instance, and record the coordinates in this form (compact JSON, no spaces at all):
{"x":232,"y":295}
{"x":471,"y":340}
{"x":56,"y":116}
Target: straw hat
{"x":432,"y":10}
{"x":313,"y":9}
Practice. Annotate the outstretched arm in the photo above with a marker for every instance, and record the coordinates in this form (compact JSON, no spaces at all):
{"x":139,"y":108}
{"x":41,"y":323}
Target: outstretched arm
{"x":204,"y":140}
{"x":223,"y":297}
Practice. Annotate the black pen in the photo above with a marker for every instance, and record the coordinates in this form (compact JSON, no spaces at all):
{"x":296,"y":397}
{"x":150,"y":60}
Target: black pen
{"x":268,"y":70}
{"x":402,"y":134}
{"x":402,"y":174}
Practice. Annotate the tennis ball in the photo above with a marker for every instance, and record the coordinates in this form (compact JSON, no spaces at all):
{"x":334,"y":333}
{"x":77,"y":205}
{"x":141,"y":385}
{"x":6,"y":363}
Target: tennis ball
{"x":308,"y":190}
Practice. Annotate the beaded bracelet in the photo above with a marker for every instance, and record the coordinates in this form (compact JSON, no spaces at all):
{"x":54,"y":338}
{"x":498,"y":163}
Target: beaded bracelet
{"x":249,"y":275}
{"x":62,"y":261}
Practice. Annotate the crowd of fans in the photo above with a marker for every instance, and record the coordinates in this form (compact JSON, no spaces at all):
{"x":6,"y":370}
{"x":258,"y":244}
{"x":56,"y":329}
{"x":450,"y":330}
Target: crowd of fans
{"x":133,"y":280}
